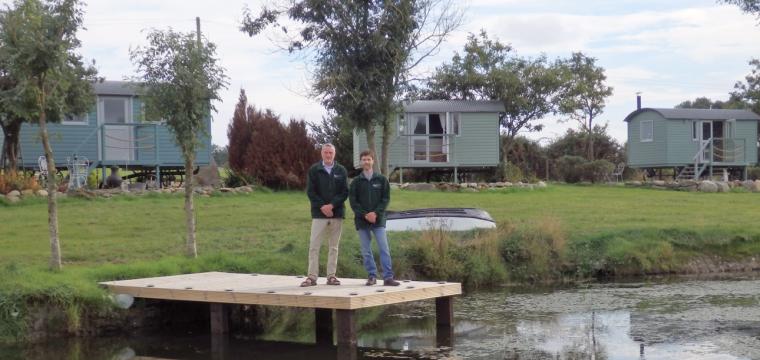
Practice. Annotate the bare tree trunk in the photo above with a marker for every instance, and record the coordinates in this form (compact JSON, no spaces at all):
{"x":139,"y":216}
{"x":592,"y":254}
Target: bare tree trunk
{"x":384,"y":147}
{"x":55,"y":245}
{"x":370,"y":131}
{"x":192,"y":249}
{"x":10,"y":145}
{"x":590,"y":138}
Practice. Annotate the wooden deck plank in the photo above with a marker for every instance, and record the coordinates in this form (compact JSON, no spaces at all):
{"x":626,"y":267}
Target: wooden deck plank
{"x":278,"y":290}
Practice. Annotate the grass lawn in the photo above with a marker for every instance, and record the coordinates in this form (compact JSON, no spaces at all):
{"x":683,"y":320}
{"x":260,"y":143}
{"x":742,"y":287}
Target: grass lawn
{"x":548,"y":232}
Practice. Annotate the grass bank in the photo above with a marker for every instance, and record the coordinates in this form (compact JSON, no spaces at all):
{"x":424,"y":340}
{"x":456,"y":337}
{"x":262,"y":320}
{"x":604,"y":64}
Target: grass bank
{"x":554,"y":234}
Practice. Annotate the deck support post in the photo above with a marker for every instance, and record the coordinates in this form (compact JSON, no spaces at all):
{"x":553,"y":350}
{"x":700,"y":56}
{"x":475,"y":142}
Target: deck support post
{"x":401,"y":175}
{"x":323,"y":321}
{"x":158,"y":177}
{"x":444,"y":320}
{"x":220,"y":319}
{"x":456,"y":177}
{"x":346,"y":321}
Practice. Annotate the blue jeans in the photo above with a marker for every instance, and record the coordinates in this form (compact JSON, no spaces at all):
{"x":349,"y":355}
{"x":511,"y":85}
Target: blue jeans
{"x":385,"y":252}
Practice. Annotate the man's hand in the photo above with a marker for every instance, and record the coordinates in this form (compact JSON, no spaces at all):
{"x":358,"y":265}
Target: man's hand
{"x":327,"y":210}
{"x":371,"y":217}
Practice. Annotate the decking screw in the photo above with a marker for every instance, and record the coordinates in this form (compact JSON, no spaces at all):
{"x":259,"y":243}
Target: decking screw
{"x":227,"y":289}
{"x":353,"y":293}
{"x":270,"y":292}
{"x":380,"y":290}
{"x":307,"y":293}
{"x":410,"y":287}
{"x":299,"y":277}
{"x":441,"y":282}
{"x":406,"y":281}
{"x":188,"y":287}
{"x":149,"y":285}
{"x":254,"y":274}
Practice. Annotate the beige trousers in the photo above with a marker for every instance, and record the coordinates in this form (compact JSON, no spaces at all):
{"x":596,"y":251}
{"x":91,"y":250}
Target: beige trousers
{"x":320,"y":228}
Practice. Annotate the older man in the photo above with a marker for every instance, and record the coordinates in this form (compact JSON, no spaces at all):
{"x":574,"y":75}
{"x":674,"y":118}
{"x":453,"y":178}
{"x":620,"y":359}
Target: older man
{"x":327,"y":189}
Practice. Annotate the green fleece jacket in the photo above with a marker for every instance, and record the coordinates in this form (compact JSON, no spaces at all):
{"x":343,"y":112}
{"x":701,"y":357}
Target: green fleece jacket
{"x":368,"y":196}
{"x":323,"y":188}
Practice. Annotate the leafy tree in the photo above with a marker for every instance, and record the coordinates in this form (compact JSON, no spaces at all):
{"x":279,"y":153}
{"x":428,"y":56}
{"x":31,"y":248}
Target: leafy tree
{"x":180,"y":77}
{"x":239,"y":134}
{"x":363,"y":52}
{"x":49,"y":79}
{"x":220,"y":154}
{"x":337,"y":131}
{"x":487,"y":70}
{"x":585,"y":94}
{"x":705,"y":103}
{"x":749,"y":91}
{"x":748,"y":6}
{"x":573,"y":143}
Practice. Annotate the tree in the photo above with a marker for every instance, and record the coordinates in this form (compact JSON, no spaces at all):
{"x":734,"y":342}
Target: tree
{"x":180,"y":77}
{"x":574,"y":143}
{"x":337,"y":131}
{"x":363,"y":52}
{"x":585,"y":94}
{"x":220,"y":154}
{"x":261,"y":157}
{"x":749,"y":91}
{"x":487,"y":70}
{"x":748,"y":6}
{"x":51,"y":81}
{"x":705,"y":103}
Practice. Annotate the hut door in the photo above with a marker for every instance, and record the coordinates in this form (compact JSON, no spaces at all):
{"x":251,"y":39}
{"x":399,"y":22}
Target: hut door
{"x":117,"y":138}
{"x":706,"y":137}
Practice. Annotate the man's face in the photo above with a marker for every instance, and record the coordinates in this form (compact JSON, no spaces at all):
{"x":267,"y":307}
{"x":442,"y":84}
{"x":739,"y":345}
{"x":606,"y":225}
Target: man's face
{"x":367,"y":162}
{"x":328,"y":155}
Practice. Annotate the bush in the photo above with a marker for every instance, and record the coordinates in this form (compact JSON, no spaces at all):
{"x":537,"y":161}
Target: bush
{"x":235,"y":179}
{"x":13,"y":180}
{"x":597,"y":170}
{"x":262,"y":148}
{"x":570,"y":168}
{"x":753,"y":173}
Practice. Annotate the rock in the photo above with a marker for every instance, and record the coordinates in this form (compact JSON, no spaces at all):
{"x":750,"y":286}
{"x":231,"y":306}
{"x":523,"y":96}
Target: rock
{"x":658,"y":183}
{"x":395,"y":186}
{"x":27,"y":193}
{"x":751,"y":185}
{"x":507,"y":184}
{"x":540,"y":184}
{"x":12,"y":199}
{"x":208,"y":175}
{"x":42,"y":193}
{"x":723,"y":186}
{"x":14,"y":193}
{"x":634,"y":183}
{"x":708,"y":186}
{"x":500,"y":184}
{"x":470,"y":190}
{"x":472,"y":185}
{"x":421,"y":187}
{"x":227,"y":190}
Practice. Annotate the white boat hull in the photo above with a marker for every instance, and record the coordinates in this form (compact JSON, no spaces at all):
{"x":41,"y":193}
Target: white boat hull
{"x":443,"y":223}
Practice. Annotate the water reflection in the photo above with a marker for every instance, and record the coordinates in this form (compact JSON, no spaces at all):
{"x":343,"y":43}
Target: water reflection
{"x":661,"y":320}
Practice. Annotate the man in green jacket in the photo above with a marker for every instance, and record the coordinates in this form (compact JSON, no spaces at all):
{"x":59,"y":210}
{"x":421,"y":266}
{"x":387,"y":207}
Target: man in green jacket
{"x":327,"y":189}
{"x":369,"y":196}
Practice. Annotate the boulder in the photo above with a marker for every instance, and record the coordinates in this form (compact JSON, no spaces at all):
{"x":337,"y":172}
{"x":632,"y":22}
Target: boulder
{"x":12,"y":199}
{"x":42,"y":193}
{"x":634,"y":183}
{"x":227,"y":190}
{"x":27,"y":193}
{"x":470,"y":190}
{"x":421,"y":187}
{"x":723,"y":186}
{"x":208,"y":175}
{"x":14,"y":193}
{"x":540,"y":184}
{"x":507,"y":184}
{"x":708,"y":186}
{"x":751,"y":185}
{"x":658,"y":183}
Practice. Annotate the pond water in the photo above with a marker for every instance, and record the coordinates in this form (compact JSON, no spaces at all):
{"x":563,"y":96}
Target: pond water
{"x":659,"y":319}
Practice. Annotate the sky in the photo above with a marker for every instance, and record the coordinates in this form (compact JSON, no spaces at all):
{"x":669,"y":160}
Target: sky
{"x":670,"y":51}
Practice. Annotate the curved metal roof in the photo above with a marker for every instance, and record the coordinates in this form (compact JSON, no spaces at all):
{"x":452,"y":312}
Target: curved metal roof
{"x":432,"y":106}
{"x":699,"y":114}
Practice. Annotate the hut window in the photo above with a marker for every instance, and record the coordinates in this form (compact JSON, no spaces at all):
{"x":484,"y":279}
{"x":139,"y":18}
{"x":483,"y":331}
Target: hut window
{"x":75,"y":119}
{"x":647,"y":131}
{"x":694,"y":132}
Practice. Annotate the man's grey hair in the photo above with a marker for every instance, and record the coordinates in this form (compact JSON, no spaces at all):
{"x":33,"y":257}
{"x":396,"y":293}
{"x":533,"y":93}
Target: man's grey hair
{"x":328,"y":145}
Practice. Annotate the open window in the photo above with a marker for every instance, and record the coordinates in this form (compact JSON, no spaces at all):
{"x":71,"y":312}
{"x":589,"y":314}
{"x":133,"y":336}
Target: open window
{"x":429,"y":141}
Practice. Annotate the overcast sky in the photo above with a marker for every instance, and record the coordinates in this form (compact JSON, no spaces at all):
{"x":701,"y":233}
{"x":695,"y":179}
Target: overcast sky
{"x":670,"y":51}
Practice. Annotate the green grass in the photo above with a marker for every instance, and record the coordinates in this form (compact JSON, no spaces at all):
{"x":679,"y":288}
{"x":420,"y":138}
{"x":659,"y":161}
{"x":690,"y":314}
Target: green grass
{"x":549,"y":234}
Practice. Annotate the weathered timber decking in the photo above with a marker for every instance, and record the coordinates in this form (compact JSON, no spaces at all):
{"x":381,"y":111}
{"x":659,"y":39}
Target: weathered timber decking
{"x":278,"y":290}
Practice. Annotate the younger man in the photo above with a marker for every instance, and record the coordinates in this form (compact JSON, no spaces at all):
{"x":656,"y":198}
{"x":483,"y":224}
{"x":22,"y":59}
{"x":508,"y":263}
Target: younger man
{"x":369,"y":196}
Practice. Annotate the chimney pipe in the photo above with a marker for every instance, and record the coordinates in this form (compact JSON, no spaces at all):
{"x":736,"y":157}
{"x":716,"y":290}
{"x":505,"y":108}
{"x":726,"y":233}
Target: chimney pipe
{"x":638,"y":101}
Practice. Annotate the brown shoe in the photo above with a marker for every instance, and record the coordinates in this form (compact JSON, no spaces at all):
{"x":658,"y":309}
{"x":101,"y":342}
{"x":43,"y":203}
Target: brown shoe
{"x":390,"y":282}
{"x":332,"y":280}
{"x":310,"y":281}
{"x":371,"y":281}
